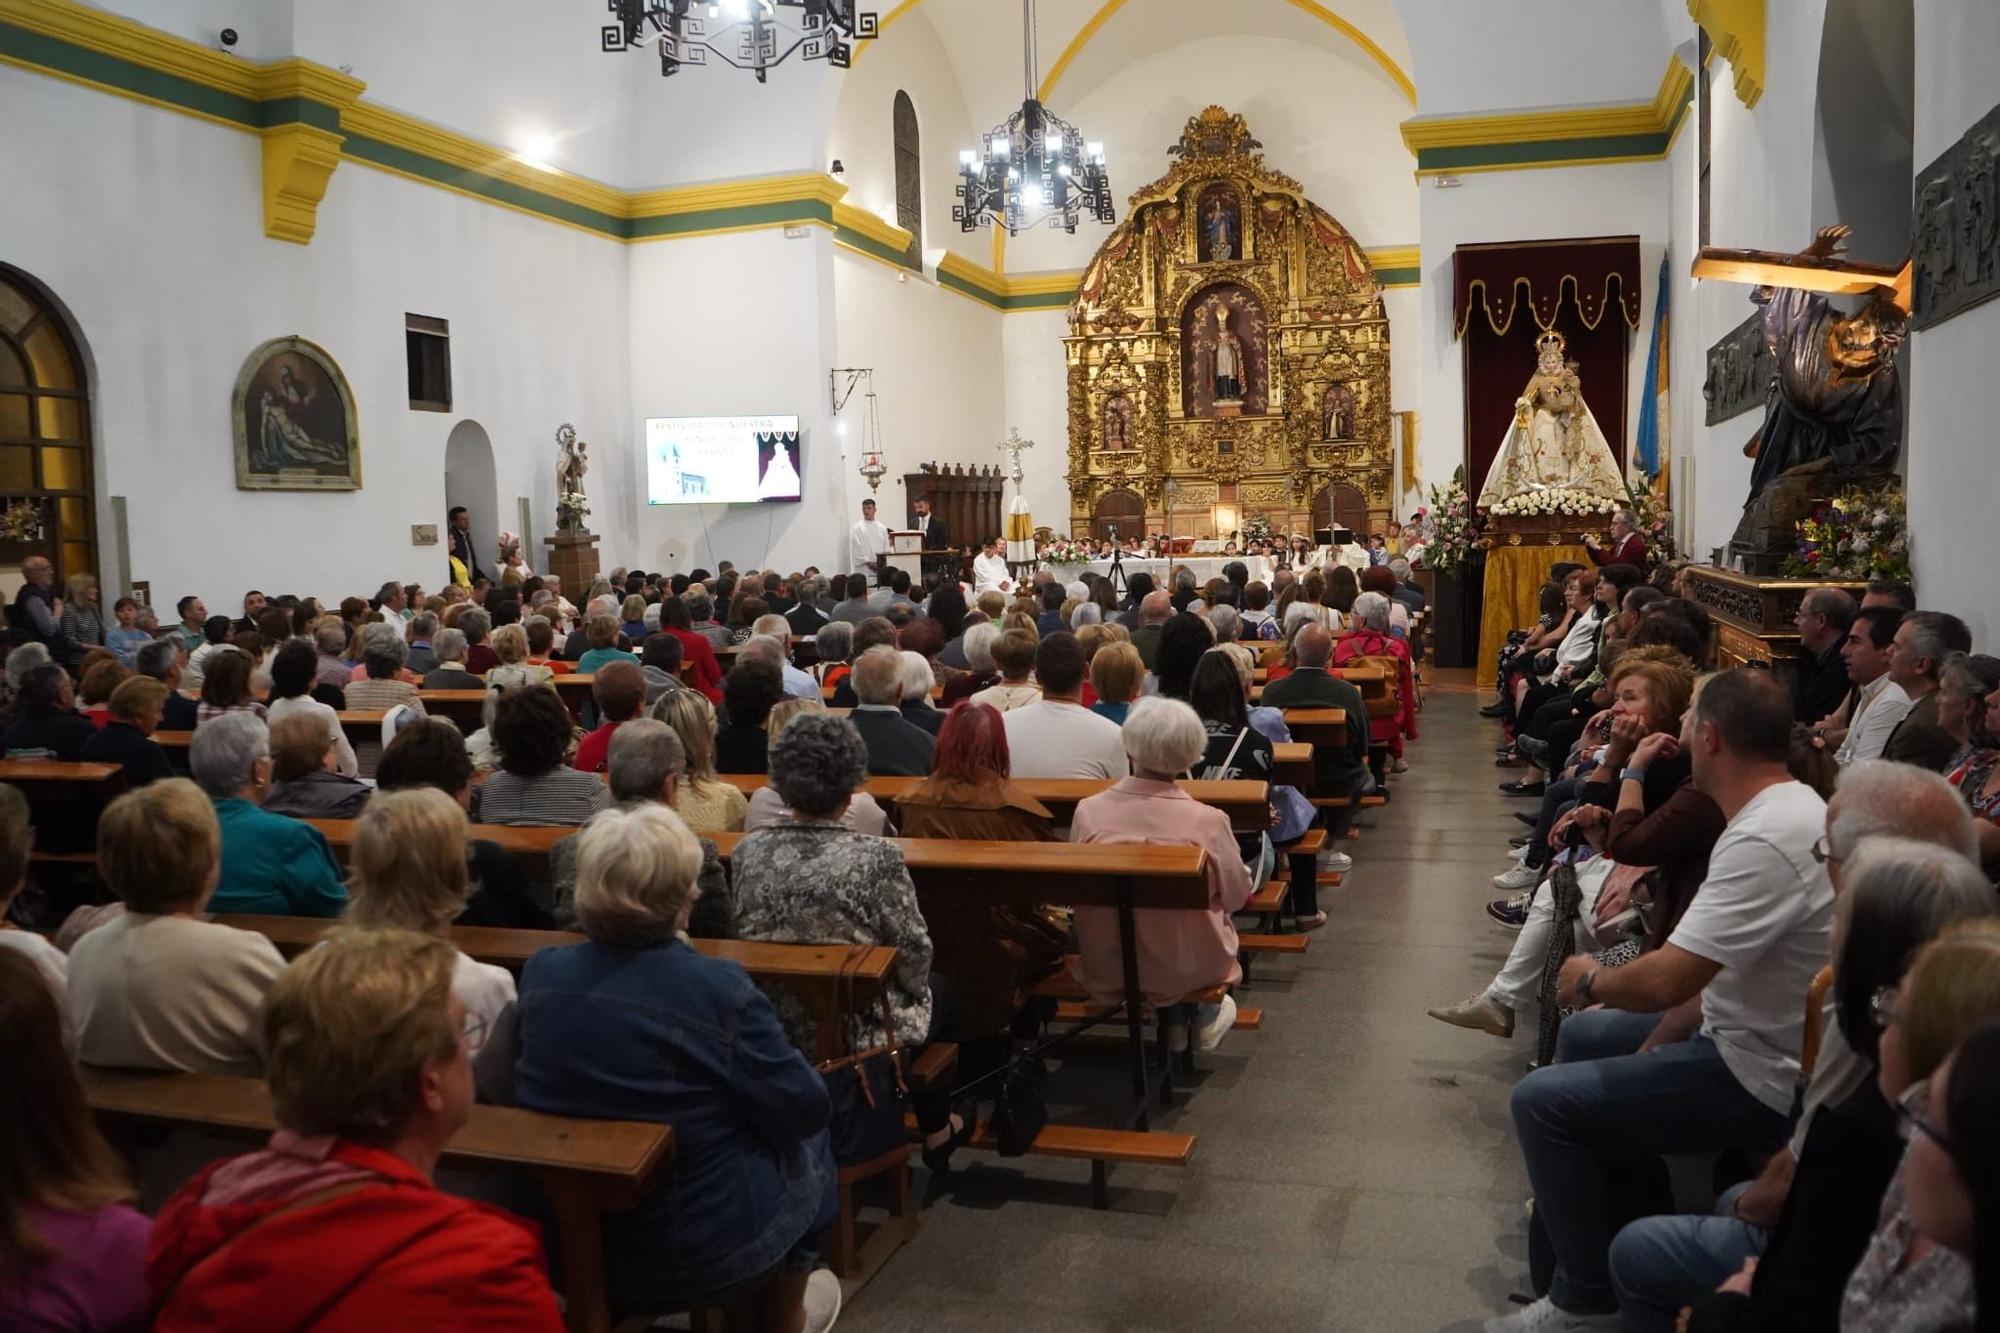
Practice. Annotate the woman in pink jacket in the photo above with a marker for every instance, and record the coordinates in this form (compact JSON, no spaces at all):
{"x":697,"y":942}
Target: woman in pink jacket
{"x":1179,"y":951}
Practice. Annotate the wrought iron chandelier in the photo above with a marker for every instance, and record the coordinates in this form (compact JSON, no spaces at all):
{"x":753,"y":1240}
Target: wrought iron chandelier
{"x":745,"y":34}
{"x":1035,"y":170}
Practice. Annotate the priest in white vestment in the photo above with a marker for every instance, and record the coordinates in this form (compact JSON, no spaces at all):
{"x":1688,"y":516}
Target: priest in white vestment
{"x":866,"y":541}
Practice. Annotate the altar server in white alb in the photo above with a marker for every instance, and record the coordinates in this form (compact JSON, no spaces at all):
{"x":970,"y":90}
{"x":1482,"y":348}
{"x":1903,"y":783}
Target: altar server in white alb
{"x":866,"y":541}
{"x":989,"y":569}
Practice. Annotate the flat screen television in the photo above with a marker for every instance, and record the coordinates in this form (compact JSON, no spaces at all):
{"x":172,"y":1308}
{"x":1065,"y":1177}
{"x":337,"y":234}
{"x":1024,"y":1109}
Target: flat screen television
{"x":722,"y":460}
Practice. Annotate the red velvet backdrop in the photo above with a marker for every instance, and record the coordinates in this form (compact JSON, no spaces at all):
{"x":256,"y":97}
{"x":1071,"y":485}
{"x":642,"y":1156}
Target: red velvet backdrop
{"x":1522,"y":289}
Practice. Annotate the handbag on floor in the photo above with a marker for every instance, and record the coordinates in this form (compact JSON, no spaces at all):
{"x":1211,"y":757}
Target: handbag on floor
{"x":1019,"y":1108}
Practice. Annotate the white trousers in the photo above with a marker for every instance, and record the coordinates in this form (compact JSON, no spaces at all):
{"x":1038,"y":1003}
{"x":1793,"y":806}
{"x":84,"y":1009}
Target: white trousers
{"x":1519,"y":981}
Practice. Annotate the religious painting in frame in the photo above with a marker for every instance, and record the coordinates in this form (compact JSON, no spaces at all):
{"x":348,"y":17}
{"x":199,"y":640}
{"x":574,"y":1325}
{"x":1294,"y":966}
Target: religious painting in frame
{"x":294,"y":421}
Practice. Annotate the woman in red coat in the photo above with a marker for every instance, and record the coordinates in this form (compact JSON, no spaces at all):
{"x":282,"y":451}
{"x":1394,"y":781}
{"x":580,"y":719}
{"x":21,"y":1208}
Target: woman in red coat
{"x":698,"y":665}
{"x":1371,"y":638}
{"x":336,"y":1224}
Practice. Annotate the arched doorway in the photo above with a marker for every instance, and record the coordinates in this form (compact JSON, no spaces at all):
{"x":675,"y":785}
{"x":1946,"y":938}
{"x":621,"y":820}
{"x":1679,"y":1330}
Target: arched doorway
{"x":1122,"y":510}
{"x":1340,"y":507}
{"x":48,"y":498}
{"x":469,"y":480}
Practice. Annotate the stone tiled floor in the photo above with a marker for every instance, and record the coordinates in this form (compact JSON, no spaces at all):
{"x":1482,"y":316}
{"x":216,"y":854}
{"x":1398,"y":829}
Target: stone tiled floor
{"x":1356,"y":1168}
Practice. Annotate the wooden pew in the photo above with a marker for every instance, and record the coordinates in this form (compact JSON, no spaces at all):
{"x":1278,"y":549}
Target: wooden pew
{"x":585,"y":1167}
{"x":64,"y":799}
{"x":1246,"y":803}
{"x":1292,"y":764}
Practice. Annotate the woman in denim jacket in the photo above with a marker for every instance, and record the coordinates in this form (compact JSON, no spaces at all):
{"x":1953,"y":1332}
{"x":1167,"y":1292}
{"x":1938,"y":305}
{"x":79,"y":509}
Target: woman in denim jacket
{"x":633,"y":1024}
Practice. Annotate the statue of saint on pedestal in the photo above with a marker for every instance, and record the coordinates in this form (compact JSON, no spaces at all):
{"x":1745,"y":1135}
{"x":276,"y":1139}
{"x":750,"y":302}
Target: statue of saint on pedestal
{"x":1554,"y":439}
{"x":1218,"y":230}
{"x":572,"y":506}
{"x":1228,"y":360}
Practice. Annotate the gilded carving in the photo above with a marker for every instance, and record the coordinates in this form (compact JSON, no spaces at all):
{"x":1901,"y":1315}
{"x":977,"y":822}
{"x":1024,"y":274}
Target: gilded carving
{"x":1286,"y":395}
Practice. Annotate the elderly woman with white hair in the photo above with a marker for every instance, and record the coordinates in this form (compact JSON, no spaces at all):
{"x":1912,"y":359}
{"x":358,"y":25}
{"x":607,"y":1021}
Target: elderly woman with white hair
{"x":448,"y":651}
{"x":1179,"y":951}
{"x":1370,"y":637}
{"x":1085,"y":613}
{"x":270,"y":864}
{"x":982,"y":672}
{"x":915,"y":675}
{"x":1227,"y":624}
{"x":383,"y":655}
{"x":634,"y":1024}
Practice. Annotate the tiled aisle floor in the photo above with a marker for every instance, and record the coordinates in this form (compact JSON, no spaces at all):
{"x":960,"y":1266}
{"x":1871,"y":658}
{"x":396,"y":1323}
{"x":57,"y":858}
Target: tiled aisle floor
{"x":1356,"y":1169}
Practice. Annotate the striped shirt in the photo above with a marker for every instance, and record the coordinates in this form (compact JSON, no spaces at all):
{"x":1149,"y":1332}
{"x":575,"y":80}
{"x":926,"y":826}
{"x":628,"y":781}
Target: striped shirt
{"x":560,"y":796}
{"x":375,"y":696}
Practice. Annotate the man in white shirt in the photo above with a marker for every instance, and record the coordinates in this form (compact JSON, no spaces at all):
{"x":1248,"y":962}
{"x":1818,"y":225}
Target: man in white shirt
{"x":1697,"y":1045}
{"x":989,"y":569}
{"x":866,"y":541}
{"x":1058,"y":737}
{"x":771,"y":637}
{"x":1879,"y":703}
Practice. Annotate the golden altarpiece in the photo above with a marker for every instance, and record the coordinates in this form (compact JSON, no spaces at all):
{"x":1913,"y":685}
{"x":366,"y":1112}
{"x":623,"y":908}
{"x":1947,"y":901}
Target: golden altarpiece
{"x":1228,"y":357}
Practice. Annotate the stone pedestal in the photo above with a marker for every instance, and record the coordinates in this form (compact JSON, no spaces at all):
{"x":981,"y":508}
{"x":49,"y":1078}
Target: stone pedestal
{"x":573,"y":559}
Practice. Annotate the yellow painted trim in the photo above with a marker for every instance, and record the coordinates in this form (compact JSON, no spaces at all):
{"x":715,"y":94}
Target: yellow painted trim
{"x":1393,"y":256}
{"x":731,"y":230}
{"x":1735,"y":29}
{"x":1543,"y":166}
{"x":871,"y":225}
{"x":298,"y":162}
{"x":295,"y":77}
{"x":999,"y":250}
{"x":881,"y":28}
{"x":97,"y":86}
{"x":1365,"y":42}
{"x":1042,"y":284}
{"x":1076,"y":45}
{"x":476,"y":197}
{"x":401,"y":130}
{"x":673,"y":199}
{"x":115,"y":35}
{"x":1579,"y":122}
{"x":978,"y":275}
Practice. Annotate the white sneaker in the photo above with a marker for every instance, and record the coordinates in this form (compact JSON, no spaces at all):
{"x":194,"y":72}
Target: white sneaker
{"x":1519,"y":854}
{"x":1400,"y":766}
{"x":1209,"y":1035}
{"x":1520,"y":877}
{"x":1543,"y":1317}
{"x":1338,"y":861}
{"x":822,"y":1300}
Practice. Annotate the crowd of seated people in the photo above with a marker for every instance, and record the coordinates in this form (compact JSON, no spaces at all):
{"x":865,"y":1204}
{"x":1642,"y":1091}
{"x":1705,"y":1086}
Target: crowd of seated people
{"x":376,"y":1043}
{"x":1704,"y":843}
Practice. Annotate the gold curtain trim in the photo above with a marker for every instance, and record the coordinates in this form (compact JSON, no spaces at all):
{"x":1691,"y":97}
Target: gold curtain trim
{"x":1477,"y":292}
{"x":1514,"y":579}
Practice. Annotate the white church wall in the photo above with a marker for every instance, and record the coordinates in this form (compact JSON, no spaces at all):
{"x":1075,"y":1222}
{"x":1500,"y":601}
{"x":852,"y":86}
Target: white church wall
{"x":1342,"y":143}
{"x":738,"y":323}
{"x":909,"y":59}
{"x":1531,"y":53}
{"x":1498,"y":206}
{"x":147,"y":226}
{"x":1037,"y":405}
{"x":938,"y":376}
{"x":1950,"y":388}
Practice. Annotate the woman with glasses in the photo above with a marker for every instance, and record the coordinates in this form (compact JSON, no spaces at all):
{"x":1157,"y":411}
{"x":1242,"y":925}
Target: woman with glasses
{"x":1951,"y":1175}
{"x":337,"y":1222}
{"x":1899,"y":896}
{"x":408,"y":871}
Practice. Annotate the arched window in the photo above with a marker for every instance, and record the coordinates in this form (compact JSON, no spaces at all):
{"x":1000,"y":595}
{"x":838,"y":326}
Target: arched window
{"x":44,"y":432}
{"x":909,"y":180}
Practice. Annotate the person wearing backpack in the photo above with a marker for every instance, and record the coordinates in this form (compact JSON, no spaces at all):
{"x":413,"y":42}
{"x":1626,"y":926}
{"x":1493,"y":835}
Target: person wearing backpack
{"x":1370,"y":645}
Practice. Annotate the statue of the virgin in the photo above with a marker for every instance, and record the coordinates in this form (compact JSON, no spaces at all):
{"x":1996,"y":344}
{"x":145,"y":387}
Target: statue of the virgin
{"x":1554,"y":440}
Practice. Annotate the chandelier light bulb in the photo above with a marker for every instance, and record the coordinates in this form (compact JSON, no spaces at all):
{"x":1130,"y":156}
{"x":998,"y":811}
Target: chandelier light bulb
{"x":966,"y":157}
{"x":1096,"y":152}
{"x":1031,"y":196}
{"x":1063,"y":169}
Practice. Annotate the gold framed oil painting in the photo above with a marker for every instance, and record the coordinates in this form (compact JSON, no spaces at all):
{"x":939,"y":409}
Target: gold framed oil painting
{"x":294,"y":421}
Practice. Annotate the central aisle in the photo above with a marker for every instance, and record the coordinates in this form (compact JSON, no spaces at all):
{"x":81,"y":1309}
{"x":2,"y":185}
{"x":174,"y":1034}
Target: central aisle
{"x":1356,"y":1168}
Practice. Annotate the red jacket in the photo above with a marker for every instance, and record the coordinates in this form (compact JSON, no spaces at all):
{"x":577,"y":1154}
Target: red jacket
{"x":384,"y":1250}
{"x":1631,"y":551}
{"x":698,"y":665}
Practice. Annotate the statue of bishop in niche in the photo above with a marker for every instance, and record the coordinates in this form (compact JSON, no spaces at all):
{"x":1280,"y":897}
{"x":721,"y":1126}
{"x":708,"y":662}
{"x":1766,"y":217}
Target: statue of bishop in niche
{"x":1228,"y":360}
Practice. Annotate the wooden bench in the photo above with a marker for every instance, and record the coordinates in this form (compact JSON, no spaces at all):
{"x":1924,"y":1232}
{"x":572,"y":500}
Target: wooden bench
{"x":64,"y":799}
{"x":828,"y":978}
{"x":1246,"y":803}
{"x":1292,"y":764}
{"x":585,"y":1167}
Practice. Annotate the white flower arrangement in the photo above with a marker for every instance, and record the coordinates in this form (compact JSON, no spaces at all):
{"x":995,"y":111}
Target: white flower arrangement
{"x":1065,"y":551}
{"x":1552,"y":501}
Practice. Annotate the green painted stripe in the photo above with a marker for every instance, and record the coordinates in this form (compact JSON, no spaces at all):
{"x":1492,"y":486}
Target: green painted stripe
{"x":62,"y":57}
{"x":299,"y":111}
{"x":776,"y":214}
{"x":1472,"y":156}
{"x":1400,"y":277}
{"x":487,"y":187}
{"x":1038,"y":301}
{"x":868,"y":245}
{"x":946,"y":278}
